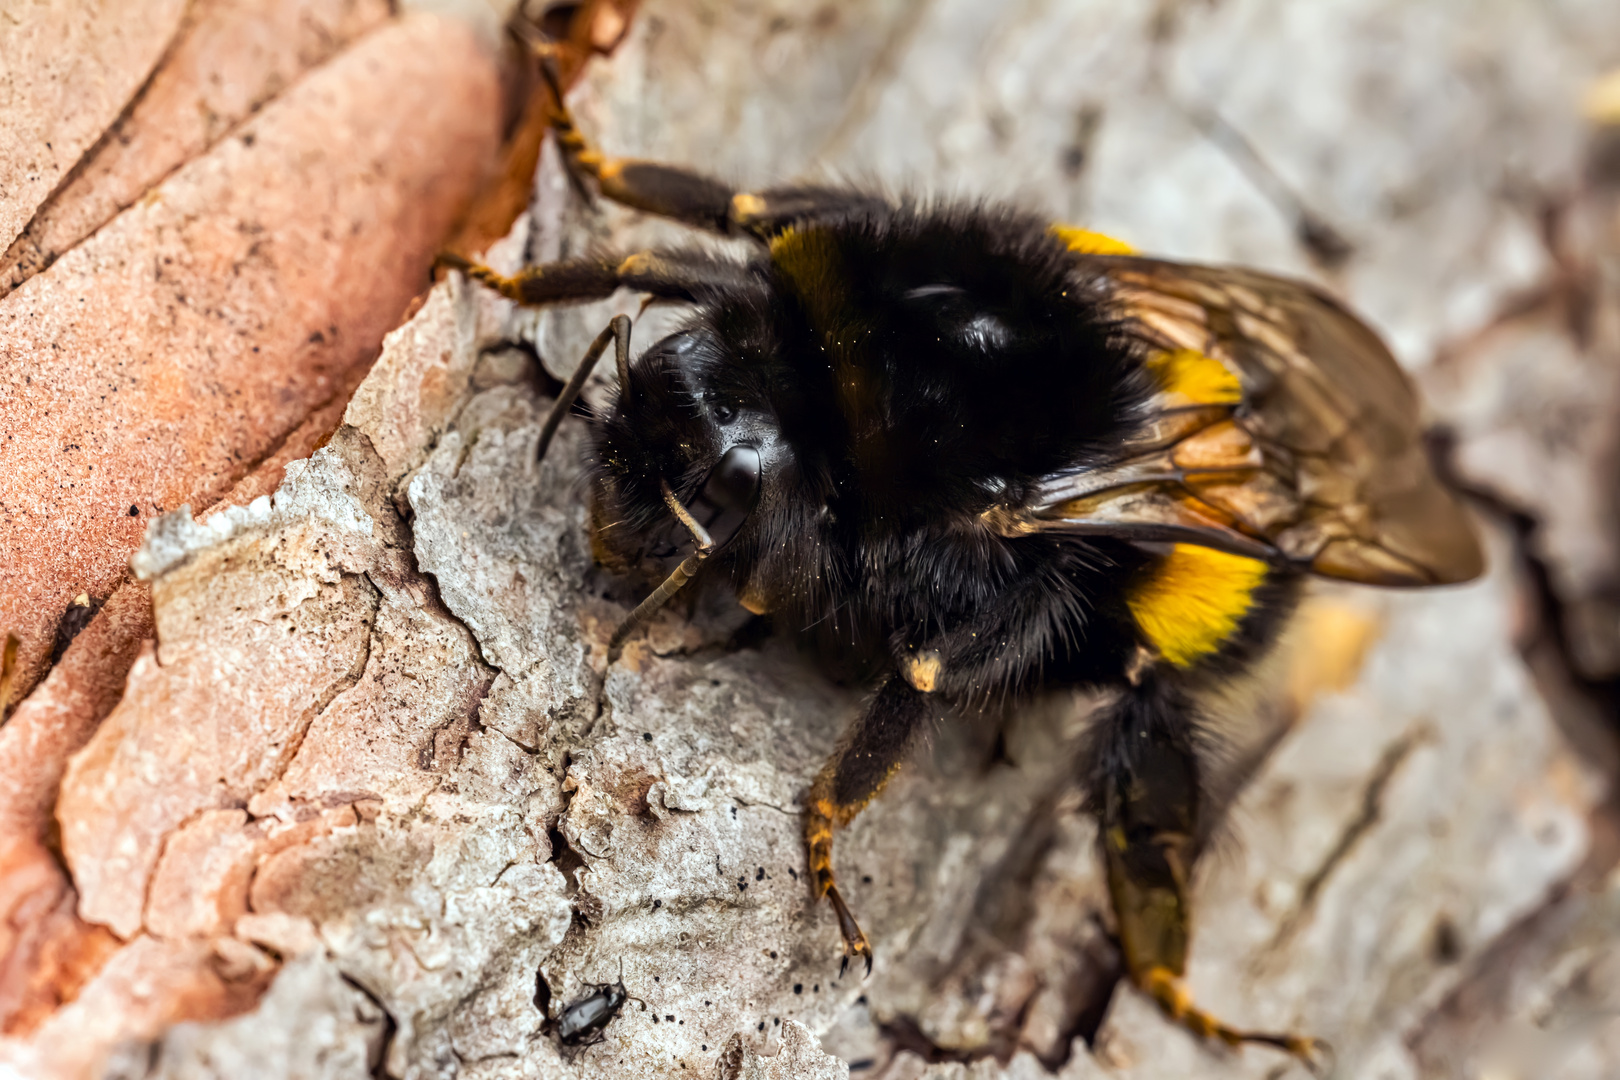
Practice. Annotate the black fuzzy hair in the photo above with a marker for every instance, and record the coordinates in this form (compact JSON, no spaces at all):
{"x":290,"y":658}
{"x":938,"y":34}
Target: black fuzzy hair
{"x":912,"y":366}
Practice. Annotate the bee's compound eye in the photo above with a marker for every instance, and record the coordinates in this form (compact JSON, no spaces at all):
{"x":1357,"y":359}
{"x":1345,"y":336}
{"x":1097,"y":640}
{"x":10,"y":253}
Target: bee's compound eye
{"x":734,"y":482}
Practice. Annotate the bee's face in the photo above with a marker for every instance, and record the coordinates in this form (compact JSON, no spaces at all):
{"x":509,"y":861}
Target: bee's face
{"x":687,"y":420}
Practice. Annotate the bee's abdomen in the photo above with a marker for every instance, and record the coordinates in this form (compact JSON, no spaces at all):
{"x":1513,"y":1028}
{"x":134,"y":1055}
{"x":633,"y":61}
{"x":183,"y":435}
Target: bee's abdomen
{"x":1193,"y":602}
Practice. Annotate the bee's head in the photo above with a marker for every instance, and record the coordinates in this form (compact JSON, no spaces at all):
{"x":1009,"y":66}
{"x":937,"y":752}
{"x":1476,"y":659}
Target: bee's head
{"x":693,"y":418}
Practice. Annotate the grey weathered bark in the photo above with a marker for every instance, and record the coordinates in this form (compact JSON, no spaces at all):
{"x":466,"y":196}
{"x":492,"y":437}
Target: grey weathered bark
{"x":378,"y":756}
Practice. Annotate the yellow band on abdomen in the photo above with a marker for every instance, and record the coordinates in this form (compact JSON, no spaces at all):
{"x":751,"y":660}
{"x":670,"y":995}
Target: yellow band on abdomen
{"x":1192,"y":378}
{"x":1194,"y":600}
{"x":1086,"y":242}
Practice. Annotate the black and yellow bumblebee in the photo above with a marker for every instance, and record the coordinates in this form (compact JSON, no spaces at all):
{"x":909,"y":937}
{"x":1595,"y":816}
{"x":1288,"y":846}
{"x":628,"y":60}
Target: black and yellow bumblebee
{"x":994,"y":456}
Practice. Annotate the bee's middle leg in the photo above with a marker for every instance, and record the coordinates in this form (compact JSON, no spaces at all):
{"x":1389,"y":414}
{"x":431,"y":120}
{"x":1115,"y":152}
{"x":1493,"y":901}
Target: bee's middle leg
{"x":869,"y":754}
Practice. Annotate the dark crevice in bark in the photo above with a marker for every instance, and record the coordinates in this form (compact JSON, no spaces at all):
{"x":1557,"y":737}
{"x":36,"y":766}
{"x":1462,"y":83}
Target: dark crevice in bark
{"x":1094,"y":985}
{"x":566,"y":859}
{"x":563,"y":855}
{"x":903,"y":1033}
{"x":1587,"y":711}
{"x":542,"y":999}
{"x":378,"y":1061}
{"x":1545,"y":642}
{"x":475,"y":713}
{"x":536,"y":375}
{"x":78,"y":615}
{"x":428,"y":756}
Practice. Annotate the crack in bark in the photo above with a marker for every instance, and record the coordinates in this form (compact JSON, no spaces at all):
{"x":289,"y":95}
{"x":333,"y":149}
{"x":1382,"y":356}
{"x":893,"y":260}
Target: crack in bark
{"x":15,"y":270}
{"x":428,"y":755}
{"x":1551,"y":627}
{"x":1326,"y":245}
{"x":1366,"y":818}
{"x":788,"y":811}
{"x":344,"y":683}
{"x":379,"y":1058}
{"x":904,"y":1033}
{"x":869,"y":88}
{"x":13,"y":258}
{"x":347,"y":681}
{"x":1481,"y":1000}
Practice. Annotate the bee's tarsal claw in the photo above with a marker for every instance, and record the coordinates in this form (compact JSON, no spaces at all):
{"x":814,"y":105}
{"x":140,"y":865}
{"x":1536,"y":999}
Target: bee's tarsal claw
{"x":855,"y":943}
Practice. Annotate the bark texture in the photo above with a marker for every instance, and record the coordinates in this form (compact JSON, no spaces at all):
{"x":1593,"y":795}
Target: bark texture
{"x":182,"y":343}
{"x":374,"y":803}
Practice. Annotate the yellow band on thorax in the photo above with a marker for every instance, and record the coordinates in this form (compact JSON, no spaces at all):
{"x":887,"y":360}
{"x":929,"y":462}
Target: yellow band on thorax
{"x":1193,"y":601}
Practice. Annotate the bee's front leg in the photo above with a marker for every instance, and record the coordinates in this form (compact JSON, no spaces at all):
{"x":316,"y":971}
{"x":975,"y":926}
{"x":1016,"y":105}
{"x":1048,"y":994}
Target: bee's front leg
{"x":869,"y":754}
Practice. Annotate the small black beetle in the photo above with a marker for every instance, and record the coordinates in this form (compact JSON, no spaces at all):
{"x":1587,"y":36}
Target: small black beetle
{"x":583,"y":1022}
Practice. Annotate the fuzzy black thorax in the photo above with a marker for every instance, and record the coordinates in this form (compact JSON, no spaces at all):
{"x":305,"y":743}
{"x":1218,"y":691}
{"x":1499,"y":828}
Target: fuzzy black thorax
{"x":902,"y":372}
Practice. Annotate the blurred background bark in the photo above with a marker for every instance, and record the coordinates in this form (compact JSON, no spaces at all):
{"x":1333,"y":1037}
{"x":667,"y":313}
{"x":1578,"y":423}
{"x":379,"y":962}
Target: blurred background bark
{"x":338,"y":783}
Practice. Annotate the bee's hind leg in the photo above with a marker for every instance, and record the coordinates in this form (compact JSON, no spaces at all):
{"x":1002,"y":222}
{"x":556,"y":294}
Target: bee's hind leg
{"x":1146,"y":787}
{"x":666,"y":190}
{"x":686,"y":195}
{"x":868,"y":755}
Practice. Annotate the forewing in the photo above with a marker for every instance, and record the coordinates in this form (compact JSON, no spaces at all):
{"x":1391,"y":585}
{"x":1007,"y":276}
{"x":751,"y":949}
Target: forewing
{"x":1313,"y":454}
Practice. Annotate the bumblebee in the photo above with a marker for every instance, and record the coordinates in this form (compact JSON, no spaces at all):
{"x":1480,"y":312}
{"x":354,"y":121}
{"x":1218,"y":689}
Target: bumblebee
{"x":990,"y":456}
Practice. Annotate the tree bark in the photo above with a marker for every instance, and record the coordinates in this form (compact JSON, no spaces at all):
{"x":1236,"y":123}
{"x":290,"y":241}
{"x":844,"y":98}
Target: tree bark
{"x":374,"y":801}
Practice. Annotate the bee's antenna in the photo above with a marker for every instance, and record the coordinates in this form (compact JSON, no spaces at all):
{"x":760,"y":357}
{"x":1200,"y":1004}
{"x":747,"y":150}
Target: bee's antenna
{"x":621,"y":360}
{"x":619,"y":331}
{"x":672,"y":584}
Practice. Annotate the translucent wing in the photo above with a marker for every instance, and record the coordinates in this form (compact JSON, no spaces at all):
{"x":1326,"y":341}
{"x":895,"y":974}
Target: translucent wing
{"x":1282,"y":428}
